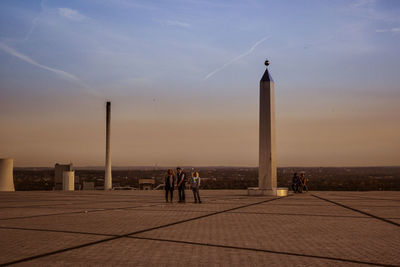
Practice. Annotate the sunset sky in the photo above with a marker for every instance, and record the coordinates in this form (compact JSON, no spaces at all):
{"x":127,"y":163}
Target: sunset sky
{"x":183,"y":78}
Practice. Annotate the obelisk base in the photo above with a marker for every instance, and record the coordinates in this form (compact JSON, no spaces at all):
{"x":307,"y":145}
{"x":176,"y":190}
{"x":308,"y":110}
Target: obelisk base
{"x":255,"y":191}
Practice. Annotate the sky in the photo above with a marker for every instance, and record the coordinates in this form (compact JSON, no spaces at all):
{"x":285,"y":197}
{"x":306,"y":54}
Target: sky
{"x":183,"y":79}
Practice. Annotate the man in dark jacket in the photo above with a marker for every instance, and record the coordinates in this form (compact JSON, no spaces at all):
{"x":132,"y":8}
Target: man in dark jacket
{"x":169,"y":184}
{"x":295,"y":183}
{"x":181,"y":184}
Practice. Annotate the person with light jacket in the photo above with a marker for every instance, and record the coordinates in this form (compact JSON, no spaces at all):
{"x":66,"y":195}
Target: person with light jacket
{"x":195,"y":185}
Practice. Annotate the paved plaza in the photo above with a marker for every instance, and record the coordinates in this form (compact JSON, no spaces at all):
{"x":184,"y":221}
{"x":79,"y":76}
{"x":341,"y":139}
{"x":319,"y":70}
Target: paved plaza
{"x":137,"y":228}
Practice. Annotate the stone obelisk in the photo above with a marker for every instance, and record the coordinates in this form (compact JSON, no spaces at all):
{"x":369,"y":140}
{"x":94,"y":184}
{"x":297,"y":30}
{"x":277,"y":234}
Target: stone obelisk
{"x":108,"y":177}
{"x":267,"y":149}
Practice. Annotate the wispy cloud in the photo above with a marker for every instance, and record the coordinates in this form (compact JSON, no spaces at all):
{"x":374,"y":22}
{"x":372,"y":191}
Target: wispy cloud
{"x":27,"y":59}
{"x":177,"y":23}
{"x":368,"y":9}
{"x":133,"y":4}
{"x":235,"y":59}
{"x":33,"y":26}
{"x":34,"y":23}
{"x":389,"y":30}
{"x":71,"y":14}
{"x":361,"y":3}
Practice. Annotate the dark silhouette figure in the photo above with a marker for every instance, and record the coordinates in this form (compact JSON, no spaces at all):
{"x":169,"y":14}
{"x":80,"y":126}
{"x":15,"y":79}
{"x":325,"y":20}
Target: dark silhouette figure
{"x":295,"y":182}
{"x":169,"y":184}
{"x":181,"y":184}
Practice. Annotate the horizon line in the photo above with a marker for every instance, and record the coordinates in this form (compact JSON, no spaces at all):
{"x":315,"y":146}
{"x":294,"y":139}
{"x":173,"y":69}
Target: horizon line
{"x":210,"y":166}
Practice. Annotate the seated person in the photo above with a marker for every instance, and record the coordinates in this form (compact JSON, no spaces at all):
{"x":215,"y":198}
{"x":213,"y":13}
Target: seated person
{"x":303,"y":182}
{"x":295,"y":183}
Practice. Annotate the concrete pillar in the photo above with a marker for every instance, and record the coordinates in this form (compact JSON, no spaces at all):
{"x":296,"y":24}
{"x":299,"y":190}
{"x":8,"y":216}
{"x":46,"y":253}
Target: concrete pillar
{"x":267,"y":148}
{"x":108,"y":177}
{"x":6,"y":174}
{"x":69,"y":180}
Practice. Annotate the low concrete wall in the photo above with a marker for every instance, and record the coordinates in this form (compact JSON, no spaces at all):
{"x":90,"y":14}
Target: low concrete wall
{"x":255,"y":191}
{"x":281,"y":191}
{"x":6,"y":174}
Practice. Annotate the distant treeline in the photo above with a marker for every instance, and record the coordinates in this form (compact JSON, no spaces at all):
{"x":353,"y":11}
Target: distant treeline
{"x":319,"y":178}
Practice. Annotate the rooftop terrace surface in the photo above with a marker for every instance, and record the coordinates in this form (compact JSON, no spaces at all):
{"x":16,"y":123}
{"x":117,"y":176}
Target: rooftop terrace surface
{"x":97,"y":228}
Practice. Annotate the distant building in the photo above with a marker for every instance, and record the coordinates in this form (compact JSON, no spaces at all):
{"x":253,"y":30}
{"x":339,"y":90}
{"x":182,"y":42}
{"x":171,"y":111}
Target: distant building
{"x":88,"y":185}
{"x":58,"y":175}
{"x":99,"y":184}
{"x":146,"y":184}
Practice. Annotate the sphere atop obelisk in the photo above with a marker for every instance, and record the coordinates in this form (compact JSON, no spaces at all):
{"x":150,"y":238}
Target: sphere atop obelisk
{"x":266,"y":77}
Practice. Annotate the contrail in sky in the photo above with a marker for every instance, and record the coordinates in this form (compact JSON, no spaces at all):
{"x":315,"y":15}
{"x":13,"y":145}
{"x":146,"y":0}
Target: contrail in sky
{"x":34,"y":22}
{"x":235,"y":59}
{"x":27,"y":59}
{"x":61,"y":73}
{"x":33,"y":26}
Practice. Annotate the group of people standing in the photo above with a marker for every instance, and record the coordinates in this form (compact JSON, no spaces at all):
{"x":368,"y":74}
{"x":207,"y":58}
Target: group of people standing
{"x":180,"y":181}
{"x":299,"y":184}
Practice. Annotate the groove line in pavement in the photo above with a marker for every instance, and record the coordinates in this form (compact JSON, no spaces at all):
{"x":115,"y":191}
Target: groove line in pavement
{"x":97,"y":209}
{"x":356,"y":210}
{"x":265,"y":213}
{"x":264,"y":250}
{"x":76,"y":212}
{"x":80,"y":202}
{"x":133,"y":233}
{"x":235,"y":212}
{"x":53,"y":231}
{"x":374,"y":198}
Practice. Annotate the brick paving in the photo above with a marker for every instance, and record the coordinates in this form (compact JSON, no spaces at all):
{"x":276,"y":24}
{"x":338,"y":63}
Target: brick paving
{"x":96,"y":228}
